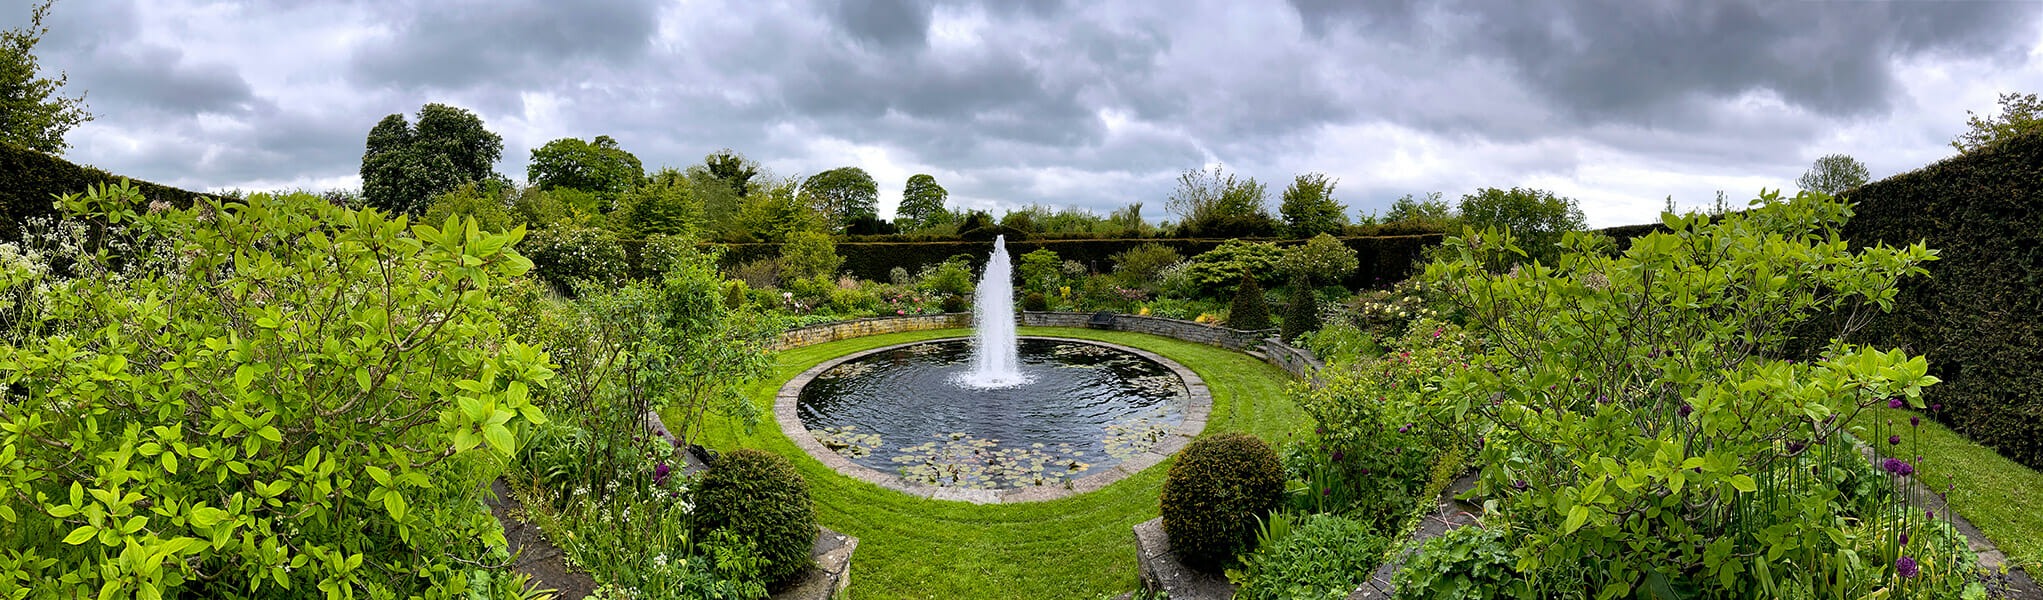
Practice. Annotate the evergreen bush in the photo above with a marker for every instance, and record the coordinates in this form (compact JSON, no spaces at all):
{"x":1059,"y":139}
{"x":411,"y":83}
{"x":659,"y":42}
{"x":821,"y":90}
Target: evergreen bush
{"x":760,"y":497}
{"x":1250,"y":310}
{"x":1215,"y":494}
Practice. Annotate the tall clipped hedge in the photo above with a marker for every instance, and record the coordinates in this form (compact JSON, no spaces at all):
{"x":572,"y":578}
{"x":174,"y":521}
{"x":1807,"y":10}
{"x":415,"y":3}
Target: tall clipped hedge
{"x":31,"y":180}
{"x":1978,"y":317}
{"x":1384,"y":259}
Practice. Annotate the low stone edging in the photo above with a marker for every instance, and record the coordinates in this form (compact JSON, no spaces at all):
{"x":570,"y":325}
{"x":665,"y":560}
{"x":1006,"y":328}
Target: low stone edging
{"x":1197,"y":409}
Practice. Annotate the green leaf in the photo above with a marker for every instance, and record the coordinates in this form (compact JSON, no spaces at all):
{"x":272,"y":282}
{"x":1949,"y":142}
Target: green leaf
{"x":394,"y":502}
{"x":81,"y":534}
{"x":1744,"y":483}
{"x":205,"y":517}
{"x":1576,"y":517}
{"x":270,"y":433}
{"x":377,"y":473}
{"x":7,"y":512}
{"x":500,"y":438}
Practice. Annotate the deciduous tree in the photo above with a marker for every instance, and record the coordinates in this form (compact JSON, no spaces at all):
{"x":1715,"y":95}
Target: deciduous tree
{"x":1833,"y":174}
{"x":1537,"y":218}
{"x":842,"y":195}
{"x":31,"y":112}
{"x":596,"y":166}
{"x":922,"y":203}
{"x":1309,"y":207}
{"x":1213,"y":203}
{"x":404,"y":165}
{"x":2018,"y":113}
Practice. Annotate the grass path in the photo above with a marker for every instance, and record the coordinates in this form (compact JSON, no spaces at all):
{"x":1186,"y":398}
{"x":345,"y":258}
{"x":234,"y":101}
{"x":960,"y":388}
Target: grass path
{"x":1999,"y":496}
{"x":1076,"y":547}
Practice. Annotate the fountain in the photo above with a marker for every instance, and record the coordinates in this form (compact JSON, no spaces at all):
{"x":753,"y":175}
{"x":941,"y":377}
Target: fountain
{"x":996,"y":361}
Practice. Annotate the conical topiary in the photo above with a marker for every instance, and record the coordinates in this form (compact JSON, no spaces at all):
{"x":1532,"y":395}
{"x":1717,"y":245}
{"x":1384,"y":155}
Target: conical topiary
{"x":1250,"y":311}
{"x":1303,"y":314}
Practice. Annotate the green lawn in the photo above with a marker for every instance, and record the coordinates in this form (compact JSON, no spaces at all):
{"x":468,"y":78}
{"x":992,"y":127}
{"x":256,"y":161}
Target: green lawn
{"x":1077,"y":547}
{"x":2000,"y":496}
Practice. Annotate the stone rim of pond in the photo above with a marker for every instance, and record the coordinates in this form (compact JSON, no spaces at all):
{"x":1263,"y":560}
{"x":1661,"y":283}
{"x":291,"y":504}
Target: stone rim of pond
{"x":1199,"y":406}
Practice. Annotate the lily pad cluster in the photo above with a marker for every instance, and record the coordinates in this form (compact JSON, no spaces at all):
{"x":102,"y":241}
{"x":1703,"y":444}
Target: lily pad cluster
{"x":848,"y":441}
{"x":1132,"y":436}
{"x":960,"y":460}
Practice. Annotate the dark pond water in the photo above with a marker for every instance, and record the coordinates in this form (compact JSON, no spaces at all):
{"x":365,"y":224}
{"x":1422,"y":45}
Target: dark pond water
{"x":1084,"y":409}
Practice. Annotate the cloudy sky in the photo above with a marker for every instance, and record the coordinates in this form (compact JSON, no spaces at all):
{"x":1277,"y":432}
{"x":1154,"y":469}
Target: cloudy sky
{"x":1618,"y":103}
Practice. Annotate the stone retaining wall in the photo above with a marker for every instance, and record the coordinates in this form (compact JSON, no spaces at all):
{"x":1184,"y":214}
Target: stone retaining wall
{"x":1298,"y":361}
{"x":1213,"y":335}
{"x":843,"y":330}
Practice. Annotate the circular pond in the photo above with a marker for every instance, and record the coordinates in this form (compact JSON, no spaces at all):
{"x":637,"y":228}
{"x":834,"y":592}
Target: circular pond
{"x":1085,"y":408}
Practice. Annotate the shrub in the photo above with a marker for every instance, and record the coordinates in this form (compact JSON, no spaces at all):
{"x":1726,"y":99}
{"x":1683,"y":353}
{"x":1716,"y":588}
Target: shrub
{"x":1141,"y":265}
{"x":955,"y":304}
{"x":484,"y":201}
{"x":1231,"y":261}
{"x":1302,"y":314}
{"x":1035,"y":301}
{"x":569,"y":256}
{"x":1038,"y":270}
{"x":900,"y":276}
{"x":1319,"y":260}
{"x":759,"y":496}
{"x":952,"y":277}
{"x":1250,"y":310}
{"x":736,"y":293}
{"x":186,"y":437}
{"x":1324,"y":557}
{"x":1215,"y":493}
{"x":1465,"y":563}
{"x":1382,"y":421}
{"x":760,"y":274}
{"x":809,"y":254}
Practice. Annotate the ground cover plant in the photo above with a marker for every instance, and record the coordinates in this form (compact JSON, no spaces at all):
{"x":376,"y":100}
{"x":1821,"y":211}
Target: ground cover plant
{"x":258,"y":398}
{"x":1078,"y":546}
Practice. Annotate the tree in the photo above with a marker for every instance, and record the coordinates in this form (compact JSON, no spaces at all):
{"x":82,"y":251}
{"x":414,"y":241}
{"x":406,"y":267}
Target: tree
{"x":842,"y":195}
{"x":773,"y":213}
{"x":808,"y":255}
{"x":922,"y":203}
{"x":733,"y":169}
{"x":1213,"y":203}
{"x":1321,"y":259}
{"x":2018,"y":113}
{"x":1833,"y":174}
{"x":482,"y":201}
{"x":1309,"y":207}
{"x":1430,"y":212}
{"x":31,"y":114}
{"x":596,"y":166}
{"x":1127,"y":220}
{"x":1250,"y":310}
{"x":404,"y":166}
{"x":1302,"y":315}
{"x":1537,"y":218}
{"x":664,"y":206}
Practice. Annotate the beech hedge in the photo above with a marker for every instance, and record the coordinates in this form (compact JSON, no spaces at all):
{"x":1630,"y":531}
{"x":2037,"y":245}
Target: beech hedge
{"x":31,"y":181}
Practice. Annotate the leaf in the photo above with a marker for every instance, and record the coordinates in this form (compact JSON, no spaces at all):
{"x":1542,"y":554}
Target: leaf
{"x":243,"y":375}
{"x":394,"y":502}
{"x":205,"y":517}
{"x":7,"y":512}
{"x":1576,"y":517}
{"x":500,"y":438}
{"x":377,"y":473}
{"x":1744,"y":483}
{"x":269,"y":432}
{"x":81,"y":534}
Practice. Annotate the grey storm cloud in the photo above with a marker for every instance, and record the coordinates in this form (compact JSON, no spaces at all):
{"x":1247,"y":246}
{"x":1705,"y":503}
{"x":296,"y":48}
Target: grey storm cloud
{"x":1087,"y":104}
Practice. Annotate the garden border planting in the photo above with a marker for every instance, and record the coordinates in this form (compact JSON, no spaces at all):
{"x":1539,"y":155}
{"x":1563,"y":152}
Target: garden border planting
{"x":1200,"y":407}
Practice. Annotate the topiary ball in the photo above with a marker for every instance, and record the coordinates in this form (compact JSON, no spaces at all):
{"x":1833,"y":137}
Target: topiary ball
{"x":1215,"y":495}
{"x":759,"y":496}
{"x":1035,"y":302}
{"x":954,"y":304}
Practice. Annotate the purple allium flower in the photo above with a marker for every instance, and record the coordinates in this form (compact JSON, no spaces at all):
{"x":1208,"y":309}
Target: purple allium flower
{"x":1601,"y":399}
{"x":1326,"y":491}
{"x":1795,"y":446}
{"x":1322,"y":430}
{"x":1904,"y":538}
{"x":1519,"y":485}
{"x":1906,"y":567}
{"x":1929,"y":514}
{"x":1893,"y":440}
{"x":1937,"y":407}
{"x":1686,"y":410}
{"x":1365,"y":470}
{"x":1915,"y":421}
{"x":1895,"y":403}
{"x":660,"y":473}
{"x":1338,"y":455}
{"x":1892,"y":465}
{"x":1406,"y":429}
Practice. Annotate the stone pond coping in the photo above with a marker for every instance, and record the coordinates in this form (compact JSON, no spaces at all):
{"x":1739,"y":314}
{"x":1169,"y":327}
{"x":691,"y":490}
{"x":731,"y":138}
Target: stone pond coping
{"x":1197,"y":410}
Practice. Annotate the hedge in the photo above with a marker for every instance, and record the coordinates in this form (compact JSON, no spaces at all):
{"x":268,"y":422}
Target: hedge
{"x":1978,"y":317}
{"x":1384,"y":259}
{"x":30,"y":181}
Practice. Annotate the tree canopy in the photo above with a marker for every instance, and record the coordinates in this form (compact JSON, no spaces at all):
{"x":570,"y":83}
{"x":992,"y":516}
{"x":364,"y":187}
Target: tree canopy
{"x":843,"y":195}
{"x":1537,"y":218}
{"x":597,"y":166}
{"x":1214,"y":203}
{"x":922,"y":203}
{"x":2018,"y":113}
{"x":1833,"y":174}
{"x":404,"y":165}
{"x":31,"y":113}
{"x":1309,"y":206}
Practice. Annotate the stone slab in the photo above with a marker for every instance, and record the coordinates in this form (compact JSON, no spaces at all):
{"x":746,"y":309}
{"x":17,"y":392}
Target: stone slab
{"x":831,"y":573}
{"x":1161,"y":572}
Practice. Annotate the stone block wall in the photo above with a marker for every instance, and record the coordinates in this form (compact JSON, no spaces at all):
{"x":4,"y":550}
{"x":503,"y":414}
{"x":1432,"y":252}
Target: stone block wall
{"x":1298,"y":361}
{"x":842,"y":330}
{"x":1232,"y":339}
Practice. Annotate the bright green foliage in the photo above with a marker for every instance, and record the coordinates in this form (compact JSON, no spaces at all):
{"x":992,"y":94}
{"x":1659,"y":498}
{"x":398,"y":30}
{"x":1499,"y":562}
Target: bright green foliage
{"x":289,"y":398}
{"x":1430,"y":213}
{"x":1309,"y":207}
{"x":1250,"y":309}
{"x":842,"y":195}
{"x":2019,"y":114}
{"x":1140,"y":266}
{"x":594,"y":166}
{"x":1383,"y":420}
{"x":922,"y":204}
{"x":1466,"y":563}
{"x":774,"y":213}
{"x":1322,"y":557}
{"x":1321,"y":259}
{"x":809,"y":255}
{"x":760,"y":497}
{"x":1227,"y":263}
{"x":1832,"y":174}
{"x":1537,"y":218}
{"x":1301,"y":315}
{"x":31,"y":114}
{"x":1213,"y":203}
{"x":1217,"y":491}
{"x":1039,"y":270}
{"x":482,"y":201}
{"x":666,"y":205}
{"x":733,"y":169}
{"x":404,"y":166}
{"x":568,"y":257}
{"x":1637,"y":421}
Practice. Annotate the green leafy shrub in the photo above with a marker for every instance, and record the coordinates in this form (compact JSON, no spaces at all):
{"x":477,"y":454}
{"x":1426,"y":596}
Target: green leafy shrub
{"x":1216,"y":491}
{"x":1324,"y":556}
{"x":952,"y":277}
{"x":1230,"y":262}
{"x":759,"y":496}
{"x":1465,"y":563}
{"x":293,"y":396}
{"x":1141,"y":265}
{"x":483,"y":201}
{"x":1301,"y":315}
{"x":955,"y":304}
{"x":1340,"y":342}
{"x":1038,"y":270}
{"x":567,"y":257}
{"x":1250,"y":310}
{"x":1384,"y":420}
{"x":1035,"y":301}
{"x":1651,"y":381}
{"x":34,"y":178}
{"x":809,"y":254}
{"x":1321,"y":259}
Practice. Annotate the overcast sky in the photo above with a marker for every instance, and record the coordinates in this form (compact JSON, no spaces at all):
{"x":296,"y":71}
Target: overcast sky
{"x":1616,"y":103}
